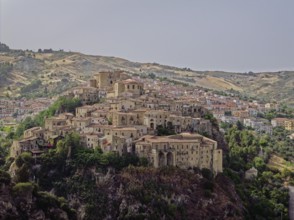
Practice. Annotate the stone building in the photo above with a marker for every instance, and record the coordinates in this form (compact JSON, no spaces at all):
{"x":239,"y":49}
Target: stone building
{"x":123,"y":105}
{"x":87,"y":95}
{"x":25,"y":145}
{"x":124,"y":119}
{"x":289,"y":124}
{"x":85,"y":111}
{"x":121,"y":121}
{"x":106,"y":80}
{"x":37,"y":132}
{"x":278,"y":122}
{"x":183,"y":150}
{"x":91,"y":140}
{"x":130,"y":86}
{"x":154,"y":118}
{"x":121,"y":144}
{"x":251,"y":173}
{"x":80,"y":124}
{"x":60,"y":125}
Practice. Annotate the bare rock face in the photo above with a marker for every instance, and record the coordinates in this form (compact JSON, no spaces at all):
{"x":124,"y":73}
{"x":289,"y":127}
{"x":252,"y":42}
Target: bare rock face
{"x":7,"y":207}
{"x":26,"y":205}
{"x":165,"y":193}
{"x":37,"y":215}
{"x":133,"y":193}
{"x":7,"y":210}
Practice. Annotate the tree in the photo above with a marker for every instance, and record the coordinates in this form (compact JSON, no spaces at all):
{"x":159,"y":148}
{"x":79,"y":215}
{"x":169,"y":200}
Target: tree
{"x":4,"y":177}
{"x":206,"y":173}
{"x":24,"y":125}
{"x":228,"y":113}
{"x":162,"y":131}
{"x":152,"y":75}
{"x":22,"y":174}
{"x":4,"y":48}
{"x":259,"y":163}
{"x":240,"y":126}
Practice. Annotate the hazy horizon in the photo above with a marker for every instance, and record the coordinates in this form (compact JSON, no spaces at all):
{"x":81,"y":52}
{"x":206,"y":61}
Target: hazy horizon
{"x":227,"y":35}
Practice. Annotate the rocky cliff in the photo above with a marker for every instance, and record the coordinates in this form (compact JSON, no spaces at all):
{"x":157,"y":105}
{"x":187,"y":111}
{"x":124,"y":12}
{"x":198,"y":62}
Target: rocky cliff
{"x":149,"y":193}
{"x":25,"y":201}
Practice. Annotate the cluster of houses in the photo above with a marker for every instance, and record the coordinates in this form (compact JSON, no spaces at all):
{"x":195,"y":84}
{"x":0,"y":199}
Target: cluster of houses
{"x":287,"y":123}
{"x":127,"y":121}
{"x":228,"y":108}
{"x":20,"y":109}
{"x":123,"y":115}
{"x":231,"y":110}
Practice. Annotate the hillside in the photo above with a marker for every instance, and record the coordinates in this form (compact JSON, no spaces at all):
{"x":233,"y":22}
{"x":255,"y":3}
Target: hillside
{"x":52,"y":72}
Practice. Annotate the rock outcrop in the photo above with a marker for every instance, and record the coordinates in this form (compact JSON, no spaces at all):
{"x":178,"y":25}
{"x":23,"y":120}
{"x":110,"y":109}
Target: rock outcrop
{"x":24,"y":201}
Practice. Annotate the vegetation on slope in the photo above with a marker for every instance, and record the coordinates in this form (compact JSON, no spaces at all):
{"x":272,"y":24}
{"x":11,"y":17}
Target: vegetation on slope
{"x":120,"y":187}
{"x":59,"y":71}
{"x":62,"y":104}
{"x":4,"y":47}
{"x":265,"y":197}
{"x":106,"y":185}
{"x":24,"y":200}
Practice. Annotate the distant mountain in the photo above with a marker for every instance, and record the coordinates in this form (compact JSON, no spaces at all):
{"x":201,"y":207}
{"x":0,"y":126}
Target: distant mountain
{"x":50,"y":72}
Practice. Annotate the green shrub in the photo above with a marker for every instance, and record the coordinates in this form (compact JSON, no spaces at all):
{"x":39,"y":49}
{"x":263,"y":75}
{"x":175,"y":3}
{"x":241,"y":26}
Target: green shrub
{"x":23,"y":188}
{"x":208,"y":185}
{"x":22,"y":174}
{"x":206,"y":173}
{"x":4,"y":177}
{"x":24,"y":158}
{"x":31,"y":87}
{"x":47,"y":200}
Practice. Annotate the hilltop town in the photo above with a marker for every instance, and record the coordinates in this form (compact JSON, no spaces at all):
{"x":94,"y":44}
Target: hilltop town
{"x":125,"y":114}
{"x":128,"y":120}
{"x":146,"y":110}
{"x":100,"y":129}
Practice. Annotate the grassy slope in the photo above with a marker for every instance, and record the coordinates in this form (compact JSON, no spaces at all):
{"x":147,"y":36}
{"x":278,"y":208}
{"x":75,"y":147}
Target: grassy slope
{"x":75,"y":69}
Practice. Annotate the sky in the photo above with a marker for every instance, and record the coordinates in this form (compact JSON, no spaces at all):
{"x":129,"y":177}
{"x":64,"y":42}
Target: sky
{"x":228,"y":35}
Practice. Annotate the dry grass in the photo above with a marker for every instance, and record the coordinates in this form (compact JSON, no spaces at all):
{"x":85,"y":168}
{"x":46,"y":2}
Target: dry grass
{"x":217,"y":83}
{"x":278,"y":163}
{"x":271,"y":86}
